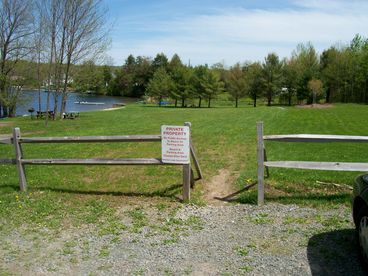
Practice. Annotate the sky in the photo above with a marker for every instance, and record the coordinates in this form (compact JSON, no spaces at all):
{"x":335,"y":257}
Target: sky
{"x":212,"y":31}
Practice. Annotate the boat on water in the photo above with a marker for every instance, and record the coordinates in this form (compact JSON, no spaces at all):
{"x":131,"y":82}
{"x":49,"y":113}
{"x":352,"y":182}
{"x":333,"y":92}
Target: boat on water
{"x":89,"y":103}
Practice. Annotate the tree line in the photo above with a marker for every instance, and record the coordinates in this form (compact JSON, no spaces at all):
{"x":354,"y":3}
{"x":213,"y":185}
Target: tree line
{"x":338,"y":74}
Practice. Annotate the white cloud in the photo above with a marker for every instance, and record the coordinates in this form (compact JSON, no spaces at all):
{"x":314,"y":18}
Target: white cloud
{"x":239,"y":35}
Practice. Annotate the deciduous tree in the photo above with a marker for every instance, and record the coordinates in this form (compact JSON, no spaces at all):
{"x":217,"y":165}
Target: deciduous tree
{"x":213,"y":85}
{"x":307,"y":67}
{"x":15,"y":44}
{"x":85,"y":36}
{"x":255,"y":83}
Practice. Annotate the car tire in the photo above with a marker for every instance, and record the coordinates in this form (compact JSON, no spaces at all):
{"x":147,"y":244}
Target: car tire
{"x":362,"y":234}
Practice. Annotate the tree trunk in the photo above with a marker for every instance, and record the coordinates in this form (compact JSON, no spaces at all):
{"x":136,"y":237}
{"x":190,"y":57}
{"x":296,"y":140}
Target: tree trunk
{"x":39,"y":95}
{"x":39,"y":74}
{"x":64,"y":93}
{"x":254,"y":101}
{"x":159,"y":101}
{"x":328,"y":91}
{"x":182,"y":102}
{"x":52,"y":55}
{"x":1,"y":104}
{"x":3,"y":93}
{"x":209,"y":102}
{"x":5,"y":111}
{"x":39,"y":99}
{"x":56,"y":101}
{"x":64,"y":97}
{"x":12,"y":111}
{"x":289,"y":98}
{"x":269,"y":99}
{"x":366,"y":91}
{"x":58,"y":71}
{"x":176,"y":102}
{"x":236,"y":102}
{"x":200,"y":102}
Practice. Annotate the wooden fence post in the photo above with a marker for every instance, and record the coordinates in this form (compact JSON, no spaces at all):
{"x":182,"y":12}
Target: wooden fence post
{"x":187,"y":172}
{"x":265,"y":159}
{"x":260,"y":163}
{"x":186,"y":182}
{"x":195,"y":161}
{"x":18,"y":160}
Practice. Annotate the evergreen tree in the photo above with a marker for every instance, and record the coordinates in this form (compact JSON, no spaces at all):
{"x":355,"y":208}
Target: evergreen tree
{"x":159,"y":61}
{"x":272,"y":76}
{"x":213,"y":85}
{"x":236,"y":83}
{"x":198,"y":81}
{"x":160,"y":86}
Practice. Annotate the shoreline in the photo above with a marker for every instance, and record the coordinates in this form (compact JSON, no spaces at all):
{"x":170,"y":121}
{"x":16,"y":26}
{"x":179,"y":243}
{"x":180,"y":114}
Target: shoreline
{"x":111,"y":108}
{"x":104,"y":109}
{"x":31,"y":100}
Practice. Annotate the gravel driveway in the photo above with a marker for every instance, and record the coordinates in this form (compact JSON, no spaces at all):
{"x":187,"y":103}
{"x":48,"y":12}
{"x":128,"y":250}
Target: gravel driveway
{"x":189,"y":240}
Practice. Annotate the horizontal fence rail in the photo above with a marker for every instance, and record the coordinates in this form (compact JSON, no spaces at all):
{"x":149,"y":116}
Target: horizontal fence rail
{"x":86,"y":139}
{"x":315,"y":138}
{"x":263,"y":163}
{"x":7,"y":161}
{"x":322,"y":166}
{"x":20,"y":161}
{"x":6,"y":140}
{"x":95,"y":161}
{"x":92,"y":139}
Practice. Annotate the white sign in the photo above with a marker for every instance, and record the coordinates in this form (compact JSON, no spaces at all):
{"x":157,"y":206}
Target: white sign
{"x":175,"y":144}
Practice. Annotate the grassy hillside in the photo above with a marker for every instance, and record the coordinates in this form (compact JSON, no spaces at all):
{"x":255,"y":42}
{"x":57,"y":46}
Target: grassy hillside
{"x":225,"y":138}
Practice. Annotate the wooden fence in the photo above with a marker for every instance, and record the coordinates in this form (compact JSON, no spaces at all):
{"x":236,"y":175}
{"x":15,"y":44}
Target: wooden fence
{"x":328,"y":166}
{"x":20,"y":161}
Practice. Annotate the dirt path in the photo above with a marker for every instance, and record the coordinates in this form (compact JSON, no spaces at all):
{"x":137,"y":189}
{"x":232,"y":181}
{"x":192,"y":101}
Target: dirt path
{"x":221,"y":185}
{"x":6,"y":124}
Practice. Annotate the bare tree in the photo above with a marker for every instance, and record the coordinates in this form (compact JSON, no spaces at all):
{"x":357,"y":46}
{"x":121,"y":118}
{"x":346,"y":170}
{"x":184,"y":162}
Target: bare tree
{"x":85,"y":37}
{"x":15,"y":32}
{"x":50,"y":11}
{"x":39,"y":50}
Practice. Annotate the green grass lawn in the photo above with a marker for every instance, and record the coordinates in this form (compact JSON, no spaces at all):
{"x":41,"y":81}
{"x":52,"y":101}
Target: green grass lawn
{"x":225,"y":138}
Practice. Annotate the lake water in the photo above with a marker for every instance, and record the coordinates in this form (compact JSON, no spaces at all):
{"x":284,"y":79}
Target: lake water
{"x":29,"y":99}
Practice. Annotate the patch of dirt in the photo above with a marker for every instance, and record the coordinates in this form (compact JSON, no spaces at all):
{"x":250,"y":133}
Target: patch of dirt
{"x":221,"y":185}
{"x":317,"y":106}
{"x":6,"y":124}
{"x":22,"y":133}
{"x":273,"y":191}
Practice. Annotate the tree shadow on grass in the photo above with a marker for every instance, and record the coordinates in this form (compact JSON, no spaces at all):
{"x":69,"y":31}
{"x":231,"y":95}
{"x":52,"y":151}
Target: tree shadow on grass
{"x":190,"y":107}
{"x":167,"y":192}
{"x":334,"y":253}
{"x":250,"y":197}
{"x":9,"y":188}
{"x":173,"y":191}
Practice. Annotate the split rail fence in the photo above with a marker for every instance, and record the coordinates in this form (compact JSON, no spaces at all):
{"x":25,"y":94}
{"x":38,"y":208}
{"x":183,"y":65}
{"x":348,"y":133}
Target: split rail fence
{"x":20,"y":161}
{"x":263,"y":163}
